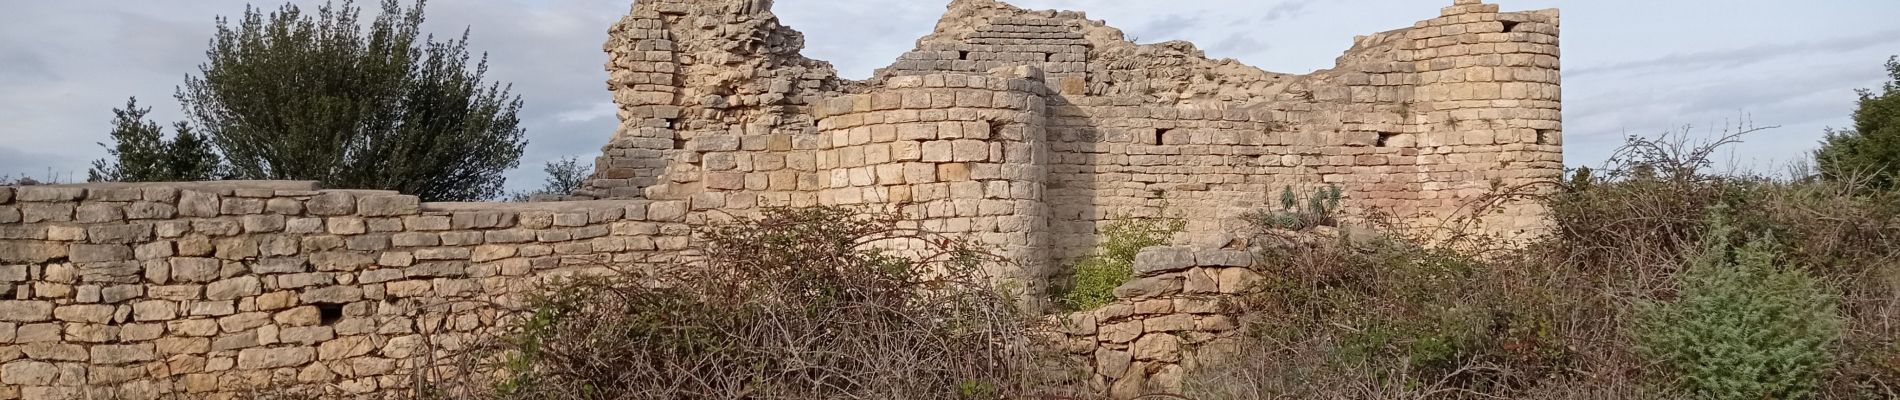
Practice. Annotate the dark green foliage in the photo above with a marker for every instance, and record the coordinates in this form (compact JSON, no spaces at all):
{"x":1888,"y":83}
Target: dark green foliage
{"x":1741,"y":327}
{"x":287,"y":95}
{"x":564,"y":177}
{"x":1113,"y":263}
{"x":141,"y":153}
{"x":1298,"y":213}
{"x":1870,"y":152}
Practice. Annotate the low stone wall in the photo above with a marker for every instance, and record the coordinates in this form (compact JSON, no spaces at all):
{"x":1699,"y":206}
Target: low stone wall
{"x":1180,"y":309}
{"x":213,"y":289}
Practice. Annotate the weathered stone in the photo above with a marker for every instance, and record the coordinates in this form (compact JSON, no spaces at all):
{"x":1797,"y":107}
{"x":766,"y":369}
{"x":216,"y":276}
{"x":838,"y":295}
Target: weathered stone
{"x":1159,"y":260}
{"x":93,"y":213}
{"x":1158,"y":347}
{"x":30,"y":252}
{"x":192,"y":203}
{"x":25,"y":311}
{"x":119,"y":354}
{"x":266,"y":358}
{"x":49,"y":194}
{"x":1149,"y":287}
{"x":1237,"y":280}
{"x":229,"y":289}
{"x":332,"y":294}
{"x":387,"y":206}
{"x":120,"y":234}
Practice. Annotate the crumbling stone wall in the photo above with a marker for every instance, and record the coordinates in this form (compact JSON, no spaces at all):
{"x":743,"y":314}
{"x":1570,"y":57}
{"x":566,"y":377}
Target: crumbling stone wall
{"x":132,"y":291}
{"x":1024,"y":130}
{"x":1182,"y":309}
{"x":719,"y":109}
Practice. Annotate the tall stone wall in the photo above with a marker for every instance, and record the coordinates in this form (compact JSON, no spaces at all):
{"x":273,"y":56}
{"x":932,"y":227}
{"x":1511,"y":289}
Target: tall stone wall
{"x":133,"y":291}
{"x":720,"y":109}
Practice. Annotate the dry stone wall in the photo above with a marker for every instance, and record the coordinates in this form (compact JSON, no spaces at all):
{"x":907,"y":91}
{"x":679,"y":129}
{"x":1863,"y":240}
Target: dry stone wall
{"x":1024,"y":130}
{"x":1181,"y":310}
{"x":133,"y":291}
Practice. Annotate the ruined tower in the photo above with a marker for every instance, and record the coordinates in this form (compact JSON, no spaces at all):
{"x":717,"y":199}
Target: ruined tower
{"x":1030,"y":129}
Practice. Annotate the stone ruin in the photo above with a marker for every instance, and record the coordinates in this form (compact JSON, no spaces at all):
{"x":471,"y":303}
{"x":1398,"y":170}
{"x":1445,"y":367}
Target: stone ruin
{"x":1024,"y":130}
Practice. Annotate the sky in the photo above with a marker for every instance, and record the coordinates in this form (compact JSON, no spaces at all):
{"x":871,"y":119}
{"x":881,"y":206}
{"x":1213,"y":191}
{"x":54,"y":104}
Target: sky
{"x":1630,"y":67}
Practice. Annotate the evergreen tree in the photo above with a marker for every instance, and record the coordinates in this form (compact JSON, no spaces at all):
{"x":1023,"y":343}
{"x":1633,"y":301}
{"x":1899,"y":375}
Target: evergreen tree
{"x":1871,"y":150}
{"x":140,"y":152}
{"x":287,"y":95}
{"x":564,"y":177}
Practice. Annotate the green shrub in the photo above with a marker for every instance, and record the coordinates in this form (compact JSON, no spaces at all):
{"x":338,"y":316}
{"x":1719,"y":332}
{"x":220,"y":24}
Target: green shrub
{"x":1741,"y":327}
{"x":1112,"y":264}
{"x":1300,"y":213}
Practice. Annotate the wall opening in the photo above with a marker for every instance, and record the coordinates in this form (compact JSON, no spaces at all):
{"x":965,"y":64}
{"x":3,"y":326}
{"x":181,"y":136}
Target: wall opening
{"x":1510,"y":26}
{"x":996,"y":129}
{"x":1158,"y":134}
{"x":671,"y":123}
{"x":1544,"y":136}
{"x":1385,"y":138}
{"x":963,"y":55}
{"x":329,"y":313}
{"x":679,"y":144}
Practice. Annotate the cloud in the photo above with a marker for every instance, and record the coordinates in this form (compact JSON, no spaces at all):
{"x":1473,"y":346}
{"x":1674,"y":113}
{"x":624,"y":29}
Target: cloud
{"x":1286,"y":10}
{"x":1730,"y":58}
{"x":1168,"y":27}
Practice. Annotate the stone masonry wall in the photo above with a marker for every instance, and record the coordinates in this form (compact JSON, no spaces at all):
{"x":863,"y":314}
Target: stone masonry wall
{"x":1180,"y":310}
{"x":719,"y":109}
{"x":132,"y":291}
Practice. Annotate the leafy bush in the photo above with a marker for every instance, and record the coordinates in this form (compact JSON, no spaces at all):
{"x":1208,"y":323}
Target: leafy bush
{"x":1555,"y":319}
{"x":1112,"y":264}
{"x":1742,"y":328}
{"x":1867,"y":154}
{"x":1297,"y":213}
{"x":807,"y":303}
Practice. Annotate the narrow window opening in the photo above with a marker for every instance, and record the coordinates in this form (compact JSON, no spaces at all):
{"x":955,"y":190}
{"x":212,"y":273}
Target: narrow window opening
{"x":329,"y":313}
{"x":963,"y":55}
{"x":1510,"y":26}
{"x":1385,"y":138}
{"x":1047,"y":57}
{"x":1159,"y":133}
{"x":1544,"y":136}
{"x":672,"y":123}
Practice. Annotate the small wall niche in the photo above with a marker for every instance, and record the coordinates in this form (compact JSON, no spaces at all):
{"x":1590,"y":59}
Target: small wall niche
{"x":1510,"y":26}
{"x":329,"y":313}
{"x":1158,"y":134}
{"x":1385,"y":139}
{"x":1546,"y":136}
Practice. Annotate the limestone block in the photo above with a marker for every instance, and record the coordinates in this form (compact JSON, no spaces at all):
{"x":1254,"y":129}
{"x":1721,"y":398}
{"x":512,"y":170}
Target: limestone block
{"x":266,"y":358}
{"x":34,"y":213}
{"x":1158,"y":347}
{"x":99,"y":212}
{"x":1224,"y":258}
{"x":91,"y":253}
{"x":1122,"y":332}
{"x":233,"y":288}
{"x":1169,"y":323}
{"x":1160,"y":260}
{"x":332,"y":295}
{"x":48,"y":194}
{"x":387,"y":205}
{"x":154,"y":310}
{"x":1237,"y":280}
{"x":118,"y":354}
{"x":86,"y":313}
{"x":25,"y":311}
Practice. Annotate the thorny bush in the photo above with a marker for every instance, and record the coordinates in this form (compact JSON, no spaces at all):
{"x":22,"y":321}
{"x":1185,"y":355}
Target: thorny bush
{"x":813,"y":303}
